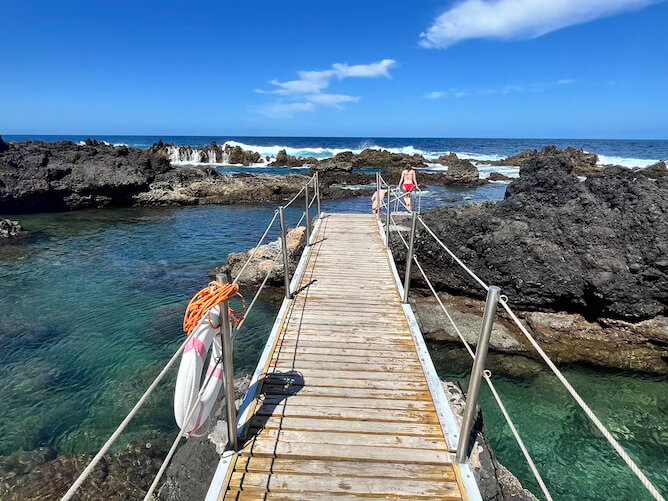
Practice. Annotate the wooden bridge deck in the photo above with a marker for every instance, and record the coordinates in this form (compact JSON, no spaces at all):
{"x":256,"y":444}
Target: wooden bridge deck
{"x":344,"y":410}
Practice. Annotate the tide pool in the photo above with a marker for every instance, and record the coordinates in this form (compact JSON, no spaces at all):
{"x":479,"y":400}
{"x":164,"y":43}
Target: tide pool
{"x":92,"y":305}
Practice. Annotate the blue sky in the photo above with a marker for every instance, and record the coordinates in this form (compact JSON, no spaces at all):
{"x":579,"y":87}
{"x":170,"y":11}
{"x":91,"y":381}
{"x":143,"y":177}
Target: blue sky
{"x":470,"y":68}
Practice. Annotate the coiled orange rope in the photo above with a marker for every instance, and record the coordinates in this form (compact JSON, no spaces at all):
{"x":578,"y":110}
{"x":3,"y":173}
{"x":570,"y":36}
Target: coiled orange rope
{"x":202,"y":303}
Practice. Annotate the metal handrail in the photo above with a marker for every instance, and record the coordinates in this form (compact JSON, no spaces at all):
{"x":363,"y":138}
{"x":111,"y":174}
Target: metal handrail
{"x":478,"y":368}
{"x":228,"y":384}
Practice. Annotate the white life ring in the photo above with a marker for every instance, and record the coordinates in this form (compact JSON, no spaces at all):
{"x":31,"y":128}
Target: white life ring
{"x":190,"y":374}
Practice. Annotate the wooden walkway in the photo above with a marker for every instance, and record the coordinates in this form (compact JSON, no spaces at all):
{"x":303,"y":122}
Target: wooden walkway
{"x":344,"y":410}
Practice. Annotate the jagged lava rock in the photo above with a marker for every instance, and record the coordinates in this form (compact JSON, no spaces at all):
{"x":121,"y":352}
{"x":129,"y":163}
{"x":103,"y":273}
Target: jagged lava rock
{"x":597,"y":247}
{"x":10,"y":229}
{"x":39,"y":176}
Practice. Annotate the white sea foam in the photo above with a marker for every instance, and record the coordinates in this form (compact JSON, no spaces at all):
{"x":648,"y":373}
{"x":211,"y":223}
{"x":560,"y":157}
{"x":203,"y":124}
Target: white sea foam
{"x":626,"y":162}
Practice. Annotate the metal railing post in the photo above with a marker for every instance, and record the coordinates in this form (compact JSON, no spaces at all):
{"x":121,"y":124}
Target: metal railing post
{"x":317,"y":192}
{"x":387,"y":222}
{"x":284,"y":251}
{"x":409,"y":258}
{"x":228,"y":369}
{"x":378,"y":204}
{"x":308,"y":216}
{"x":491,"y":303}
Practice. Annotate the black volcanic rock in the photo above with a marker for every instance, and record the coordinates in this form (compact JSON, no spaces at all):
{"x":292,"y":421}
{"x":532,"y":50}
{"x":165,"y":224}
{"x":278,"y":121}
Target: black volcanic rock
{"x":583,"y":162}
{"x":387,"y":160}
{"x":10,"y":229}
{"x":3,"y":146}
{"x":655,"y":171}
{"x":39,"y":176}
{"x":497,"y":176}
{"x":598,"y":247}
{"x":285,"y":160}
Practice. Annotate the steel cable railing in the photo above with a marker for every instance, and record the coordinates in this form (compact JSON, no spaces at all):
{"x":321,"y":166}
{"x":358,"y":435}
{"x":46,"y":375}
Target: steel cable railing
{"x":486,"y":375}
{"x":229,"y":390}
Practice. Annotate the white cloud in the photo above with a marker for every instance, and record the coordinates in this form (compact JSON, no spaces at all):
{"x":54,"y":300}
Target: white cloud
{"x":307,"y":89}
{"x":517,"y":19}
{"x":373,"y":70}
{"x":284,"y":110}
{"x":334,"y":100}
{"x":505,"y":89}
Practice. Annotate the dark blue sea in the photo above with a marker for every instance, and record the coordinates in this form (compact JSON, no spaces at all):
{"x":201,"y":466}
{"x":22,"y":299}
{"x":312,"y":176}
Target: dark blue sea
{"x":91,"y":308}
{"x":627,"y":152}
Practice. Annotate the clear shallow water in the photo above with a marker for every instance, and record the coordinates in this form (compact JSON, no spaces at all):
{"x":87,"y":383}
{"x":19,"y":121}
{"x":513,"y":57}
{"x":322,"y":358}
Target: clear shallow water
{"x":628,"y":152}
{"x":91,"y":308}
{"x":576,"y":462}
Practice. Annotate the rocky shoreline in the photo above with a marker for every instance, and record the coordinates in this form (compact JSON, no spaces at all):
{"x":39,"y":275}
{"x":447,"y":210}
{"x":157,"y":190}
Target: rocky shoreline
{"x":582,"y":260}
{"x":45,"y":177}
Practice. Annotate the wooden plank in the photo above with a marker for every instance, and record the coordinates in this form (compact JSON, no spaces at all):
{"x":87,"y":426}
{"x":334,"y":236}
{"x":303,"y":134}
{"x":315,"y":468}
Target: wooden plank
{"x":392,"y":377}
{"x":236,"y":495}
{"x":360,"y":414}
{"x":335,"y":382}
{"x":329,"y":391}
{"x":337,"y":451}
{"x":348,"y":402}
{"x":345,"y":468}
{"x":310,"y":349}
{"x":350,"y":439}
{"x":352,"y":426}
{"x":286,"y":355}
{"x":346,"y":366}
{"x":285,"y":482}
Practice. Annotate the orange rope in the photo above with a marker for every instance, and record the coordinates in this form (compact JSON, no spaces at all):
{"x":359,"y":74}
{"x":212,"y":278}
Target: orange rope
{"x":202,"y":303}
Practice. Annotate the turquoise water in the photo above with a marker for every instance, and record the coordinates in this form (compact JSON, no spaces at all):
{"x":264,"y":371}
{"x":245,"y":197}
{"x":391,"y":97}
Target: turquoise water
{"x":92,"y":306}
{"x":576,"y":462}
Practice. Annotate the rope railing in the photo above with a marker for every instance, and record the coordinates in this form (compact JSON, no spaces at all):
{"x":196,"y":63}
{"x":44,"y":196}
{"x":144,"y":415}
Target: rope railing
{"x":229,"y":391}
{"x":487,"y":375}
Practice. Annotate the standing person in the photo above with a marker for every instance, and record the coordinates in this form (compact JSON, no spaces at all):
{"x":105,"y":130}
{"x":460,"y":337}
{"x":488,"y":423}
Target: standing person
{"x":407,"y":184}
{"x":375,"y":203}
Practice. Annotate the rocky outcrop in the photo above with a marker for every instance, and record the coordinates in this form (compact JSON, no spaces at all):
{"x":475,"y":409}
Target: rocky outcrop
{"x":583,"y":162}
{"x":267,"y":259}
{"x":495,"y":481}
{"x":11,"y":229}
{"x":3,"y":146}
{"x":285,"y":160}
{"x":238,"y":156}
{"x":497,"y":176}
{"x":566,"y":337}
{"x":39,"y":176}
{"x":596,"y":247}
{"x":387,"y":160}
{"x":655,"y":171}
{"x":462,"y":172}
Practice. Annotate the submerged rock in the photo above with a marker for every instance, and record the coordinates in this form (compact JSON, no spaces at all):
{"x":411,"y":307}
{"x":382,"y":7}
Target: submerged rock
{"x":267,"y":258}
{"x":11,"y":229}
{"x":596,"y":247}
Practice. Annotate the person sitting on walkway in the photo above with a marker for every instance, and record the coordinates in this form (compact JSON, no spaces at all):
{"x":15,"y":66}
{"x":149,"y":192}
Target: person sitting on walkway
{"x":407,"y":184}
{"x":374,"y":200}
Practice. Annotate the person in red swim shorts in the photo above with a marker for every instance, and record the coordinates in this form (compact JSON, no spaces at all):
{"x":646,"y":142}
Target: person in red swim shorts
{"x":407,"y":184}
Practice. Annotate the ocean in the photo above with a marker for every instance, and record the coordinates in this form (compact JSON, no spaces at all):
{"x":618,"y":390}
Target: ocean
{"x":92,"y":305}
{"x":626,"y":152}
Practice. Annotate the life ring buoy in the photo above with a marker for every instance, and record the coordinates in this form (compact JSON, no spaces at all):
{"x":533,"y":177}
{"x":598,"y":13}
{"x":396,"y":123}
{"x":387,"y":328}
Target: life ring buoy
{"x":189,"y":377}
